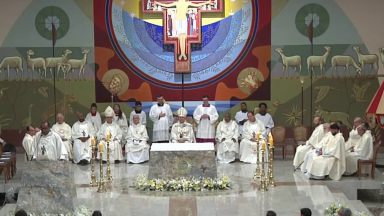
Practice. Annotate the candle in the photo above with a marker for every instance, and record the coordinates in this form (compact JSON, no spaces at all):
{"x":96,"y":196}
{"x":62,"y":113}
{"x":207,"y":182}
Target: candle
{"x":108,"y":136}
{"x":270,"y":140}
{"x":93,"y":141}
{"x":258,"y":135}
{"x":263,"y":145}
{"x":100,"y":147}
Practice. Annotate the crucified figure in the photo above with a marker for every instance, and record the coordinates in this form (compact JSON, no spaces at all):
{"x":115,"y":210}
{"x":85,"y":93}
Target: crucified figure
{"x":181,"y":21}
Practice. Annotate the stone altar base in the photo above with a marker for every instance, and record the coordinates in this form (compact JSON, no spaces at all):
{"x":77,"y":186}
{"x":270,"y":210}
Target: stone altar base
{"x":47,"y":187}
{"x":175,"y":160}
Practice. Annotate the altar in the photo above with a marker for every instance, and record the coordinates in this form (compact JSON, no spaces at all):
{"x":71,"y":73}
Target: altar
{"x":176,"y":160}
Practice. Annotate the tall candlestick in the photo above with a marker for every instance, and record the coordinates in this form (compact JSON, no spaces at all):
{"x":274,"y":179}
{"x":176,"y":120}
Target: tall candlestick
{"x":93,"y":182}
{"x":100,"y":148}
{"x":101,"y":187}
{"x":271,"y":178}
{"x":257,"y":172}
{"x":108,"y":175}
{"x":270,"y":139}
{"x":262,"y":175}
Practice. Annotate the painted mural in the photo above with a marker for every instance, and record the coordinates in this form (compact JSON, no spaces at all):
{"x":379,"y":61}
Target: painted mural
{"x":300,"y":57}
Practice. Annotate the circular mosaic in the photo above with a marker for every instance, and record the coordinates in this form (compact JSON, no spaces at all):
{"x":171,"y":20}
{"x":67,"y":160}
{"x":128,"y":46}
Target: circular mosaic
{"x":316,"y":14}
{"x":49,"y":17}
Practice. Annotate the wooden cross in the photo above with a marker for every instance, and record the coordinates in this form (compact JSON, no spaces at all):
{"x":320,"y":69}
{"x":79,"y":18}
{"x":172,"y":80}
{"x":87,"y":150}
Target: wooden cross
{"x":182,"y":25}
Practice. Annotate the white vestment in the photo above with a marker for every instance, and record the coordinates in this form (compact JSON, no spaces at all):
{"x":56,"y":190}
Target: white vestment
{"x":331,"y":162}
{"x":182,"y":131}
{"x":65,"y":132}
{"x":313,"y":153}
{"x":143,"y":117}
{"x":95,"y":120}
{"x":82,"y":150}
{"x":161,"y":125}
{"x":267,"y":121}
{"x":137,"y":149}
{"x":301,"y":150}
{"x":247,"y":147}
{"x":363,"y":150}
{"x":240,"y":116}
{"x":27,"y":144}
{"x":115,"y":148}
{"x":48,"y":147}
{"x":354,"y":137}
{"x":206,"y":126}
{"x":123,"y":124}
{"x":227,"y":149}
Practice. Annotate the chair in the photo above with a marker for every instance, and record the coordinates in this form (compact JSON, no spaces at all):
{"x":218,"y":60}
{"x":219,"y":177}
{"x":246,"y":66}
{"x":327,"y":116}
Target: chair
{"x":300,"y":133}
{"x":278,"y":133}
{"x":372,"y":162}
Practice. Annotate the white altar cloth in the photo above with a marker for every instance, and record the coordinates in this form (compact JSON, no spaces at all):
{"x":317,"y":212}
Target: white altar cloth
{"x":182,"y":147}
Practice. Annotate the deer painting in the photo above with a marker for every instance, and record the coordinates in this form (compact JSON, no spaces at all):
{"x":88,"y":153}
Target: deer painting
{"x":328,"y":116}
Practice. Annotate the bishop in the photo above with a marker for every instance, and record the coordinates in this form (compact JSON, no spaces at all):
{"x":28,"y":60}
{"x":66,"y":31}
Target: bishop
{"x":182,"y":131}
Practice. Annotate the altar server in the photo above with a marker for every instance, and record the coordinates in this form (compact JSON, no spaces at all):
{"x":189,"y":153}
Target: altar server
{"x":28,"y":141}
{"x":354,"y":136}
{"x":94,"y":117}
{"x":162,"y":118}
{"x":241,"y":117}
{"x":137,"y":148}
{"x":266,"y":118}
{"x":138,"y":111}
{"x":65,"y":132}
{"x":112,"y":131}
{"x":121,"y":120}
{"x":82,"y":132}
{"x":227,"y":134}
{"x":182,"y":131}
{"x":205,"y":116}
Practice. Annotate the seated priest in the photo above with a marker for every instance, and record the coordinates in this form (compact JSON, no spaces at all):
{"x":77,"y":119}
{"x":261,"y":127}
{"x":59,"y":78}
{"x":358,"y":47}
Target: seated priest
{"x":331,"y":159}
{"x":65,"y":132}
{"x":182,"y":131}
{"x":82,"y":131}
{"x":363,"y":150}
{"x":137,"y":148}
{"x":253,"y":130}
{"x":315,"y":138}
{"x":354,"y":136}
{"x":47,"y":145}
{"x":110,"y":129}
{"x":227,"y":133}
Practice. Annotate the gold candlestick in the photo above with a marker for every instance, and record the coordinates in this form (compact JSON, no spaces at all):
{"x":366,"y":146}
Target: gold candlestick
{"x":101,"y":187}
{"x":271,"y":178}
{"x":262,"y":174}
{"x":257,"y":173}
{"x":108,"y":175}
{"x":93,"y":182}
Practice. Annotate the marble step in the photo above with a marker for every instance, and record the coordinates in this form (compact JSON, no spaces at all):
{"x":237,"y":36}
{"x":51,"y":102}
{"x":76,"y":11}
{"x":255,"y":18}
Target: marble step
{"x":5,"y":210}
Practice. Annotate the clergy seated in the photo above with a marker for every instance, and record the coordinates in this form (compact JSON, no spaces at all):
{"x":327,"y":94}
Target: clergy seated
{"x":182,"y":131}
{"x":113,"y":130}
{"x":331,"y":160}
{"x":65,"y":132}
{"x":137,"y":148}
{"x":354,"y":136}
{"x":227,"y":134}
{"x":315,"y":138}
{"x":252,"y":129}
{"x":82,"y":131}
{"x":362,"y":151}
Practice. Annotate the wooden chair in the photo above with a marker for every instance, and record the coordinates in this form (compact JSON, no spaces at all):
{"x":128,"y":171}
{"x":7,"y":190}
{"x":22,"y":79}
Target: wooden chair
{"x":300,"y":133}
{"x":278,"y":133}
{"x":372,"y":162}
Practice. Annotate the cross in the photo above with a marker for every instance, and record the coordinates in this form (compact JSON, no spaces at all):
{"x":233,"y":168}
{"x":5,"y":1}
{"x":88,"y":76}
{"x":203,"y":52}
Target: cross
{"x":182,"y":25}
{"x":43,"y":150}
{"x":254,"y":134}
{"x":83,"y":133}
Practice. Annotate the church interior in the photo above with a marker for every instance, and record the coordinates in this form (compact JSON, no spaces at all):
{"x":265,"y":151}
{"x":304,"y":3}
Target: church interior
{"x":302,"y":59}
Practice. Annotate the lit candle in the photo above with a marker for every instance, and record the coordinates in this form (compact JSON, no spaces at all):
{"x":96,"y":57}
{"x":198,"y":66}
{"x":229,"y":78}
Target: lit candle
{"x":270,"y":140}
{"x":258,"y":135}
{"x":93,"y":141}
{"x":100,"y":147}
{"x":108,"y":136}
{"x":263,"y":145}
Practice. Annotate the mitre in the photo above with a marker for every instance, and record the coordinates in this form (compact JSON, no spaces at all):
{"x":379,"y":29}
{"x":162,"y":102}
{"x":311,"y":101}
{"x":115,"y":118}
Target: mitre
{"x":182,"y":112}
{"x":109,"y":112}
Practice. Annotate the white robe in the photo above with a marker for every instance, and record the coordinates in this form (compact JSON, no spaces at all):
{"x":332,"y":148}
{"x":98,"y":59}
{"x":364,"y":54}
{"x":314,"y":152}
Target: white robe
{"x":95,"y":120}
{"x":115,"y":148}
{"x":137,"y":149}
{"x":48,"y":147}
{"x":354,"y":137}
{"x":143,"y":117}
{"x":363,"y":150}
{"x":227,"y":150}
{"x":247,"y":147}
{"x":240,"y":116}
{"x":65,"y":131}
{"x":332,"y":162}
{"x":82,"y":150}
{"x":301,"y":150}
{"x":123,"y":124}
{"x":185,"y":129}
{"x":161,"y":125}
{"x":27,"y":145}
{"x":267,"y":121}
{"x":205,"y":127}
{"x":313,"y":153}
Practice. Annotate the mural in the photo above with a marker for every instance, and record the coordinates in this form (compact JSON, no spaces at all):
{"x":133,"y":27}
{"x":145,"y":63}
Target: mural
{"x":300,"y":57}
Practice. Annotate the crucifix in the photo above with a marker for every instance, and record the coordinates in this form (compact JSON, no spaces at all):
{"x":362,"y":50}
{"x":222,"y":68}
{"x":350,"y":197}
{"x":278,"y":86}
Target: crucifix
{"x":182,"y":25}
{"x":43,"y":150}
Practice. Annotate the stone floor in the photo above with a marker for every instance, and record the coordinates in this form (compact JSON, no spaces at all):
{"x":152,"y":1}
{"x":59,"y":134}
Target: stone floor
{"x":292,"y":192}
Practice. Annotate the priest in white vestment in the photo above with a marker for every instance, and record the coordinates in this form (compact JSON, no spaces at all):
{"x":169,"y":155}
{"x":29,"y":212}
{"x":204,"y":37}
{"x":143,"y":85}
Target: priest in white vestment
{"x":137,"y":148}
{"x":114,"y":130}
{"x":182,"y":131}
{"x":47,"y":145}
{"x":248,"y":145}
{"x":315,"y":138}
{"x":241,"y":117}
{"x":227,"y":134}
{"x":65,"y":132}
{"x":205,"y":116}
{"x":363,"y":150}
{"x":94,"y":117}
{"x":138,"y":111}
{"x":162,"y":117}
{"x":331,"y":160}
{"x":354,"y":137}
{"x":82,"y":131}
{"x":28,"y":140}
{"x":121,"y":120}
{"x":266,"y":118}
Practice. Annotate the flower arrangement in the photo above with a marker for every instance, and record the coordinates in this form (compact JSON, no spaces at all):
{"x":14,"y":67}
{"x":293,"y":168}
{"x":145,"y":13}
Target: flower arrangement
{"x":182,"y":184}
{"x":333,"y":210}
{"x":79,"y":211}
